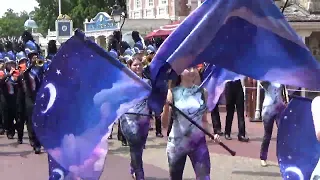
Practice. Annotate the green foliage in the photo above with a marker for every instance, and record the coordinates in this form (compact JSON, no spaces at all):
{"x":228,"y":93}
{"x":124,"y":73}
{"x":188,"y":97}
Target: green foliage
{"x":78,"y":10}
{"x":46,"y":14}
{"x":12,"y":23}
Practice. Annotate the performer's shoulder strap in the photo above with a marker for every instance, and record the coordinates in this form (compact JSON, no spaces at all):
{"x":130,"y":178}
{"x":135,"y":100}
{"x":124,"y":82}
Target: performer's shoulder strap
{"x":172,"y":99}
{"x":203,"y":94}
{"x":172,"y":115}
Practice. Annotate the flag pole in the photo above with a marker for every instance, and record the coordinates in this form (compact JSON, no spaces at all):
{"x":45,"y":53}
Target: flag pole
{"x":59,"y":7}
{"x":257,"y":115}
{"x":233,"y":153}
{"x":285,"y":90}
{"x":284,"y":6}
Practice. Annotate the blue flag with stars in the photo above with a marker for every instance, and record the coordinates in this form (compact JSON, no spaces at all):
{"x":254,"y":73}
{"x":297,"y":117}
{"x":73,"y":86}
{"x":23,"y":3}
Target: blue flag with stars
{"x":248,"y":37}
{"x":298,"y":149}
{"x":82,"y":94}
{"x":214,"y":83}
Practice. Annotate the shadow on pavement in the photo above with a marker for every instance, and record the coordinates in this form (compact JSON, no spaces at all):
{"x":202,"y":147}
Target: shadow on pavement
{"x":156,"y":146}
{"x":153,"y":178}
{"x":259,"y":139}
{"x":250,"y":173}
{"x":19,"y":153}
{"x":125,"y":149}
{"x":13,"y":144}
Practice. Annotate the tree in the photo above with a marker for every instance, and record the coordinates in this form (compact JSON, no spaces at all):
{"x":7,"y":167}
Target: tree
{"x":78,"y":10}
{"x":12,"y":23}
{"x":85,"y":9}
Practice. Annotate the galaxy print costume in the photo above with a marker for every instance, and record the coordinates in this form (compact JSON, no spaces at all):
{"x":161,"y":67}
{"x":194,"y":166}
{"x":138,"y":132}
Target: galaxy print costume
{"x":315,"y":113}
{"x":273,"y":105}
{"x":135,"y":130}
{"x":186,"y":139}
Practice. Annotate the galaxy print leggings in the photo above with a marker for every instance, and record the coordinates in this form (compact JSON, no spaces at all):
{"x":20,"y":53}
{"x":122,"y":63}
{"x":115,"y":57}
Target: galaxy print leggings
{"x":316,"y":172}
{"x":198,"y":154}
{"x":136,"y":133}
{"x":269,"y":115}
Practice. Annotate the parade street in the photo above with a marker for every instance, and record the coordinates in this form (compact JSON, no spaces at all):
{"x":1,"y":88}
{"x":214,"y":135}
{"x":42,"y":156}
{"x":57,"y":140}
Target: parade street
{"x":20,"y":162}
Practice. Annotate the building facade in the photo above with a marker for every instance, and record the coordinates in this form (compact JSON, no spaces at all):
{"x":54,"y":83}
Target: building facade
{"x":160,"y":9}
{"x":304,"y":17}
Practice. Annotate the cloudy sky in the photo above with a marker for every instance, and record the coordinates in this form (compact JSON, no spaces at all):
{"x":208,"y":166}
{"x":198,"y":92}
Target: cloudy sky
{"x":17,"y":5}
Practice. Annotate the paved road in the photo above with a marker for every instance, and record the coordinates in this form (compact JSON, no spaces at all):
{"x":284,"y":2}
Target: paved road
{"x":19,"y":163}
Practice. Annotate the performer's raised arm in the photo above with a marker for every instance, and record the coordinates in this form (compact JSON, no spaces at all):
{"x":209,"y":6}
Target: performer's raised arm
{"x":166,"y":115}
{"x":316,"y":115}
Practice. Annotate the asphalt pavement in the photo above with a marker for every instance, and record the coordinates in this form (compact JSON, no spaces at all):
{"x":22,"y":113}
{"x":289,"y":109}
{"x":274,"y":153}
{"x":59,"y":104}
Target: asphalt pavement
{"x":18,"y":162}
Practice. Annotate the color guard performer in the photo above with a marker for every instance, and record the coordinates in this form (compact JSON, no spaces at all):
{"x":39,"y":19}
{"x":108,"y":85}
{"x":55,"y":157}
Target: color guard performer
{"x":273,"y":105}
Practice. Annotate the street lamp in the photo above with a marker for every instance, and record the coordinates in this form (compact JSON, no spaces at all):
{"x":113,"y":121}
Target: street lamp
{"x":118,"y":15}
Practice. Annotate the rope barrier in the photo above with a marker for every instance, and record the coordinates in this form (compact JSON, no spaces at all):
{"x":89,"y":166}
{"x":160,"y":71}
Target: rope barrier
{"x":289,"y":90}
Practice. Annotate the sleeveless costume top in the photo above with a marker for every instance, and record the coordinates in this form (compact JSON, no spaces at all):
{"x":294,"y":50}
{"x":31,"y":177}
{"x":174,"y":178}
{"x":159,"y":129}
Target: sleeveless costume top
{"x":273,"y":93}
{"x":133,"y":122}
{"x":191,"y":102}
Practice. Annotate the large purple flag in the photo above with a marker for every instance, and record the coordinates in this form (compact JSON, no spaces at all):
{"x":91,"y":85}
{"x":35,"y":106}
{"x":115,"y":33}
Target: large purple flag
{"x":248,"y":37}
{"x":83,"y":93}
{"x":215,"y":84}
{"x":298,"y":149}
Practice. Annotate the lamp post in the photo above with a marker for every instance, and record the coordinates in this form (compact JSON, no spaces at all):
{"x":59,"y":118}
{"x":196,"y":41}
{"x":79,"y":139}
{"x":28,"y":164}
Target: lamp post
{"x":59,"y":3}
{"x":118,"y":14}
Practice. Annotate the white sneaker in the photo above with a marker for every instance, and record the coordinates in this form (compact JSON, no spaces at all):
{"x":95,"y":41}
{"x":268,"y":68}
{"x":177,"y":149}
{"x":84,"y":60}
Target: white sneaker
{"x":264,"y":163}
{"x":133,"y":176}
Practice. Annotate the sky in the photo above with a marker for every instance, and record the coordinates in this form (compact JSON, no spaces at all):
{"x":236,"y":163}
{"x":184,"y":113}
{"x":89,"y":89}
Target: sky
{"x":17,"y":5}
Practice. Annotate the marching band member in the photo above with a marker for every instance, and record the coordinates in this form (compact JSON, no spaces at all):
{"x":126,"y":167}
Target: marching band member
{"x":23,"y":63}
{"x":2,"y":76}
{"x":52,"y":51}
{"x":32,"y":79}
{"x":10,"y":91}
{"x":125,"y":49}
{"x":113,"y":47}
{"x":139,"y":44}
